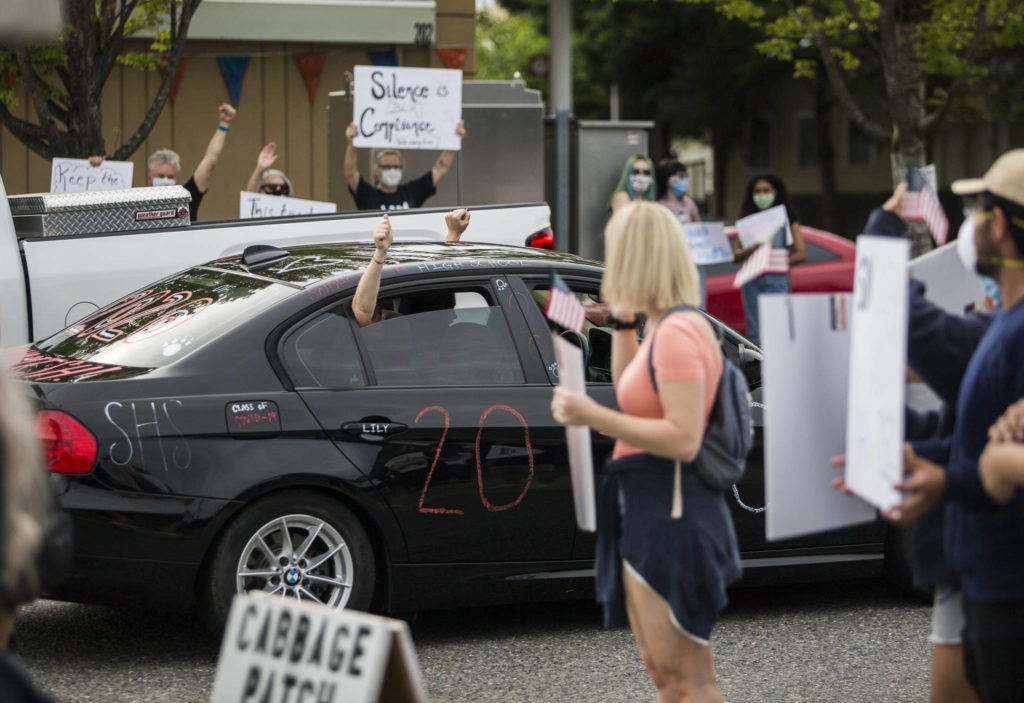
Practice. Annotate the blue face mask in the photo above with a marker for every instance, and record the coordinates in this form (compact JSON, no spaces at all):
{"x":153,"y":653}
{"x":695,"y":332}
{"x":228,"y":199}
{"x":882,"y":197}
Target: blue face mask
{"x":680,"y":186}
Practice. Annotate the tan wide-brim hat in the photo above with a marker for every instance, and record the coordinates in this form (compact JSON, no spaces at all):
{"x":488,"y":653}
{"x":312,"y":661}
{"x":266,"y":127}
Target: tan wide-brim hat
{"x":1005,"y":178}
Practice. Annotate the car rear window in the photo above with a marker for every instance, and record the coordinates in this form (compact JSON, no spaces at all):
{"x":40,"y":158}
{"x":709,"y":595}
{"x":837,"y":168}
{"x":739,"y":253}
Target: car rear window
{"x":155,"y":326}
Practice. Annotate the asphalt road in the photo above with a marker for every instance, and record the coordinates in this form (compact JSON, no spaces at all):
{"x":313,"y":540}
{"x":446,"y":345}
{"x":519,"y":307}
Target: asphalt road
{"x":852,"y":641}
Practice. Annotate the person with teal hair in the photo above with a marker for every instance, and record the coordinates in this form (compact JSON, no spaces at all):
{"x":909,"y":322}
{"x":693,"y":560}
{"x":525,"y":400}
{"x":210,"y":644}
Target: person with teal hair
{"x":635,"y":183}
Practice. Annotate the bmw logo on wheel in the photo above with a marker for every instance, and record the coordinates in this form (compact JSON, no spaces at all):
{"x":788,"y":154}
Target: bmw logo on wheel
{"x":292,"y":577}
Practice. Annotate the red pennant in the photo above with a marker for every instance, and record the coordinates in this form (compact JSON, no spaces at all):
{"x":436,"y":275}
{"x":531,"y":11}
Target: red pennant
{"x":311,"y":65}
{"x":177,"y":78}
{"x":452,"y":58}
{"x":10,"y":79}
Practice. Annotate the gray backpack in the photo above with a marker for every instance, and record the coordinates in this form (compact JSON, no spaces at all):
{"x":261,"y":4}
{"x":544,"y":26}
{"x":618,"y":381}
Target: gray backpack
{"x":729,"y":436}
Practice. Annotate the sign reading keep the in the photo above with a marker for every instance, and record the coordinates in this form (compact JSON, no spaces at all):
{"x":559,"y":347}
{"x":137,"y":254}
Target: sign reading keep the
{"x":407,"y":108}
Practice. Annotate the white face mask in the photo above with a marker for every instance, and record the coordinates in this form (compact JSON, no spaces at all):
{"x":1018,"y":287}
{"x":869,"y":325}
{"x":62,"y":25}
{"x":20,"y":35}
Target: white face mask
{"x":640,"y":183}
{"x":965,"y":248}
{"x":161,"y":181}
{"x":391,"y":177}
{"x":763,"y":200}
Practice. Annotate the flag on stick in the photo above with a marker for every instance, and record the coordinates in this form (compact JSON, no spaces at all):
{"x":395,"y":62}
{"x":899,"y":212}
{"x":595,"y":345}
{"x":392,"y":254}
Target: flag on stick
{"x":564,"y":308}
{"x":764,"y":260}
{"x":920,"y":204}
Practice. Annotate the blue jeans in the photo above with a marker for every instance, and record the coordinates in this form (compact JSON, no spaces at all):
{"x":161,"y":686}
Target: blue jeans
{"x":771,"y":283}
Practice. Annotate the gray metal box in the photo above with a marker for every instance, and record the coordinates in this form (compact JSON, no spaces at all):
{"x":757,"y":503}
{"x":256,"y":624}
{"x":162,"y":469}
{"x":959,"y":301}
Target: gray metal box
{"x":98,"y":211}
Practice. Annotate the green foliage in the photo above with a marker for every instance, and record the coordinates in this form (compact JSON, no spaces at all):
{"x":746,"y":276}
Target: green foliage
{"x":505,"y":43}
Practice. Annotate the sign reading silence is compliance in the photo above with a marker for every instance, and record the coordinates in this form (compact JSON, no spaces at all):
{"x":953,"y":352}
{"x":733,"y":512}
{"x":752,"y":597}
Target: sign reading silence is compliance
{"x":407,"y":108}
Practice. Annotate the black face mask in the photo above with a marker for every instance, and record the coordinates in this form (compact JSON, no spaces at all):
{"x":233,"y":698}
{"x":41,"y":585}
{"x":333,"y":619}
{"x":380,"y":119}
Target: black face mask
{"x":275,"y":189}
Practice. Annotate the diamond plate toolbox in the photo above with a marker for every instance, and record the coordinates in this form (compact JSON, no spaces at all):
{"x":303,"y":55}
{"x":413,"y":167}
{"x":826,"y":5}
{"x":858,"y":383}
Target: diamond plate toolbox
{"x":100,"y":211}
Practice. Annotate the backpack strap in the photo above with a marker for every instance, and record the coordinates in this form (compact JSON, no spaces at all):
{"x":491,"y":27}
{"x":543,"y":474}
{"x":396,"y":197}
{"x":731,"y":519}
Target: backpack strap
{"x":650,"y":352}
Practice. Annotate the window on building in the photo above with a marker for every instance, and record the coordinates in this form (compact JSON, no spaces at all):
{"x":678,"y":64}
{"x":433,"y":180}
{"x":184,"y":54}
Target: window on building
{"x":807,"y":142}
{"x":858,"y":146}
{"x":760,"y":142}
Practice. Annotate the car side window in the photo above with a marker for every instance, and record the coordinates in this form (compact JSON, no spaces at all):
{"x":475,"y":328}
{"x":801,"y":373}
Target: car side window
{"x":596,"y":338}
{"x":322,"y":353}
{"x":818,"y":254}
{"x":443,"y":336}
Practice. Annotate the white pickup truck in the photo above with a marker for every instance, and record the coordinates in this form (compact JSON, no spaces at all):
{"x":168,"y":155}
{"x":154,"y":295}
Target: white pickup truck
{"x":65,"y":255}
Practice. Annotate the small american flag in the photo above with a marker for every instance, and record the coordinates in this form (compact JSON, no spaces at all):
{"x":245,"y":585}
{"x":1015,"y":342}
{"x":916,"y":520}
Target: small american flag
{"x":921,"y":205}
{"x":764,"y":260}
{"x":564,"y":308}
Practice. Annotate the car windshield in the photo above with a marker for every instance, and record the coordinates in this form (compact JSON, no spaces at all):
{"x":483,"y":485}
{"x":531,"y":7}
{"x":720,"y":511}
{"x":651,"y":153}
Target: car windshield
{"x":155,"y":326}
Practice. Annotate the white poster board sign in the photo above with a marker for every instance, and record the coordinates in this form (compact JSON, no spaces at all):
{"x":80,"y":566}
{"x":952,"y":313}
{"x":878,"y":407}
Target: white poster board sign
{"x":772,"y":224}
{"x":264,"y":205}
{"x":805,"y":373}
{"x":577,"y":437}
{"x":407,"y":108}
{"x":878,"y":358}
{"x":76,"y":175}
{"x":277,"y":649}
{"x":708,"y":242}
{"x":947,"y":283}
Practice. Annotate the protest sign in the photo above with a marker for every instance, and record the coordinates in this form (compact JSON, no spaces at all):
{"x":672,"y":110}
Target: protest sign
{"x":76,"y":175}
{"x":581,"y":462}
{"x":878,"y":357}
{"x":264,"y":205}
{"x":277,"y":649}
{"x":808,"y":336}
{"x":708,"y":242}
{"x":771,"y":224}
{"x":947,"y":282}
{"x":407,"y":108}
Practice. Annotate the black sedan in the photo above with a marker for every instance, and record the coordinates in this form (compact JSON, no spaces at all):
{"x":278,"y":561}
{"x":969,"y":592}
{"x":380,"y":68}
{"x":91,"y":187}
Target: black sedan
{"x":231,"y":428}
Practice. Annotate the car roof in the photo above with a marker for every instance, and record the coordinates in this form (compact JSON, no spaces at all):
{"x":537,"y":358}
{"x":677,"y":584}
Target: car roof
{"x":306,"y":265}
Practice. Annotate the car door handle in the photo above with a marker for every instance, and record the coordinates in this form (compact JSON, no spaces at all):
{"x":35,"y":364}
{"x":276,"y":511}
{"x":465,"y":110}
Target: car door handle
{"x":374,"y":430}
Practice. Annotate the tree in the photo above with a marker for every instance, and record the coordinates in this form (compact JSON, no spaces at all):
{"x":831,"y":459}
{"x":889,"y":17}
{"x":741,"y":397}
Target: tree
{"x":505,"y":44}
{"x":64,"y":80}
{"x":926,"y":56}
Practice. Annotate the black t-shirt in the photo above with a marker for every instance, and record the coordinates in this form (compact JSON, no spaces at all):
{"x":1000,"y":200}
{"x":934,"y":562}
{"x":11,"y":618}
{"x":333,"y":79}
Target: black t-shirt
{"x":193,"y":189}
{"x":408,"y":195}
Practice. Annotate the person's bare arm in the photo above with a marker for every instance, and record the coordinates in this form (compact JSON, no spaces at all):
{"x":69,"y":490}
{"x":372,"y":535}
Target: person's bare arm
{"x":457,"y":222}
{"x":624,"y":345}
{"x":264,"y":160}
{"x":1001,"y":467}
{"x":799,"y":253}
{"x":444,"y":161}
{"x":204,"y":170}
{"x":740,"y":252}
{"x":365,"y":300}
{"x":351,"y":167}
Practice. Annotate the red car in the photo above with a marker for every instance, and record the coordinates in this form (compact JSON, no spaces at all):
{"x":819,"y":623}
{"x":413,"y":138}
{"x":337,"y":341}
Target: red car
{"x":828,"y":268}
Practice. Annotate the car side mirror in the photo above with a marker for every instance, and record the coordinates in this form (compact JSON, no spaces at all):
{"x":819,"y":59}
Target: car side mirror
{"x":748,"y":355}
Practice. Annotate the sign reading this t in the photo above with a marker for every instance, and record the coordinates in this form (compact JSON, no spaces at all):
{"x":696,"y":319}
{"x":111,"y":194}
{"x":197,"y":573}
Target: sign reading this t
{"x":407,"y":108}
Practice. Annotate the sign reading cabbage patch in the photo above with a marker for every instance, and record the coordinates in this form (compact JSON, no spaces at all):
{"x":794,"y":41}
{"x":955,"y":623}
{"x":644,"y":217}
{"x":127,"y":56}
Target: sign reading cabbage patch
{"x":407,"y":108}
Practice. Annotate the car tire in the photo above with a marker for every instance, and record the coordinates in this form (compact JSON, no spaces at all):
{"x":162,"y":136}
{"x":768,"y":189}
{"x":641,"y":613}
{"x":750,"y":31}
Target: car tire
{"x":316,"y":525}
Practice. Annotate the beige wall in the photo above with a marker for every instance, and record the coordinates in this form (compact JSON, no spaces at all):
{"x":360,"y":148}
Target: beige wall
{"x":274,"y":106}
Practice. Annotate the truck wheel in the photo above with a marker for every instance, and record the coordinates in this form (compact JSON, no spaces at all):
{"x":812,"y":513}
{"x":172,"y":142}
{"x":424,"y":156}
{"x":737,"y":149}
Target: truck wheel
{"x":297,"y":545}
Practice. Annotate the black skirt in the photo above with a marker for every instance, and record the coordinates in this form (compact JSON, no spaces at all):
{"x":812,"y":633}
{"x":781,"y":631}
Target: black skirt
{"x":689,"y":561}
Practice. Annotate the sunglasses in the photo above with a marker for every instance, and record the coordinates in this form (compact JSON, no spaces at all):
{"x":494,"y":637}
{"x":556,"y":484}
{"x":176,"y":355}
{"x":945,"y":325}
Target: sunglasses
{"x":275,"y":189}
{"x":639,"y":172}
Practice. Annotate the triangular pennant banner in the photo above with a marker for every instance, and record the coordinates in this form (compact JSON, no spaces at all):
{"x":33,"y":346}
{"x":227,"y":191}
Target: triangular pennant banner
{"x":233,"y":68}
{"x":311,"y":65}
{"x":452,"y":58}
{"x":10,"y":79}
{"x":177,"y":77}
{"x":382,"y":57}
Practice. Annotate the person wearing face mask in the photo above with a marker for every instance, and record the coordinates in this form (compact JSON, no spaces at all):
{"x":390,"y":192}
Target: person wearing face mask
{"x":164,"y":165}
{"x":762,"y":192}
{"x":635,"y":183}
{"x":387,"y":191}
{"x":672,"y":185}
{"x":266,"y":180}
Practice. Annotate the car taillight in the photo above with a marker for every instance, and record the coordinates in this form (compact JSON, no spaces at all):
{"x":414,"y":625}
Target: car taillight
{"x":545,"y":239}
{"x":68,"y":447}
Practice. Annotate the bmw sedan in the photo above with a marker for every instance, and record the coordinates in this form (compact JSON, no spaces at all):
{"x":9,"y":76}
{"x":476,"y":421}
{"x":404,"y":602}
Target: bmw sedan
{"x":232,"y":428}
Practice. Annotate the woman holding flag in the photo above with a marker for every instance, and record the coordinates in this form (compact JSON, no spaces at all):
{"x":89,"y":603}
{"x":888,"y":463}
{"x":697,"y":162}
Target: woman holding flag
{"x":762,"y":192}
{"x":666,"y":543}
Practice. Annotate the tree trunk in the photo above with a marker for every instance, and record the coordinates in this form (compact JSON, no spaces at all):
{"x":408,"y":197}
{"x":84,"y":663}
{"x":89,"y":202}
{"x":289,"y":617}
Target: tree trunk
{"x":720,"y":149}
